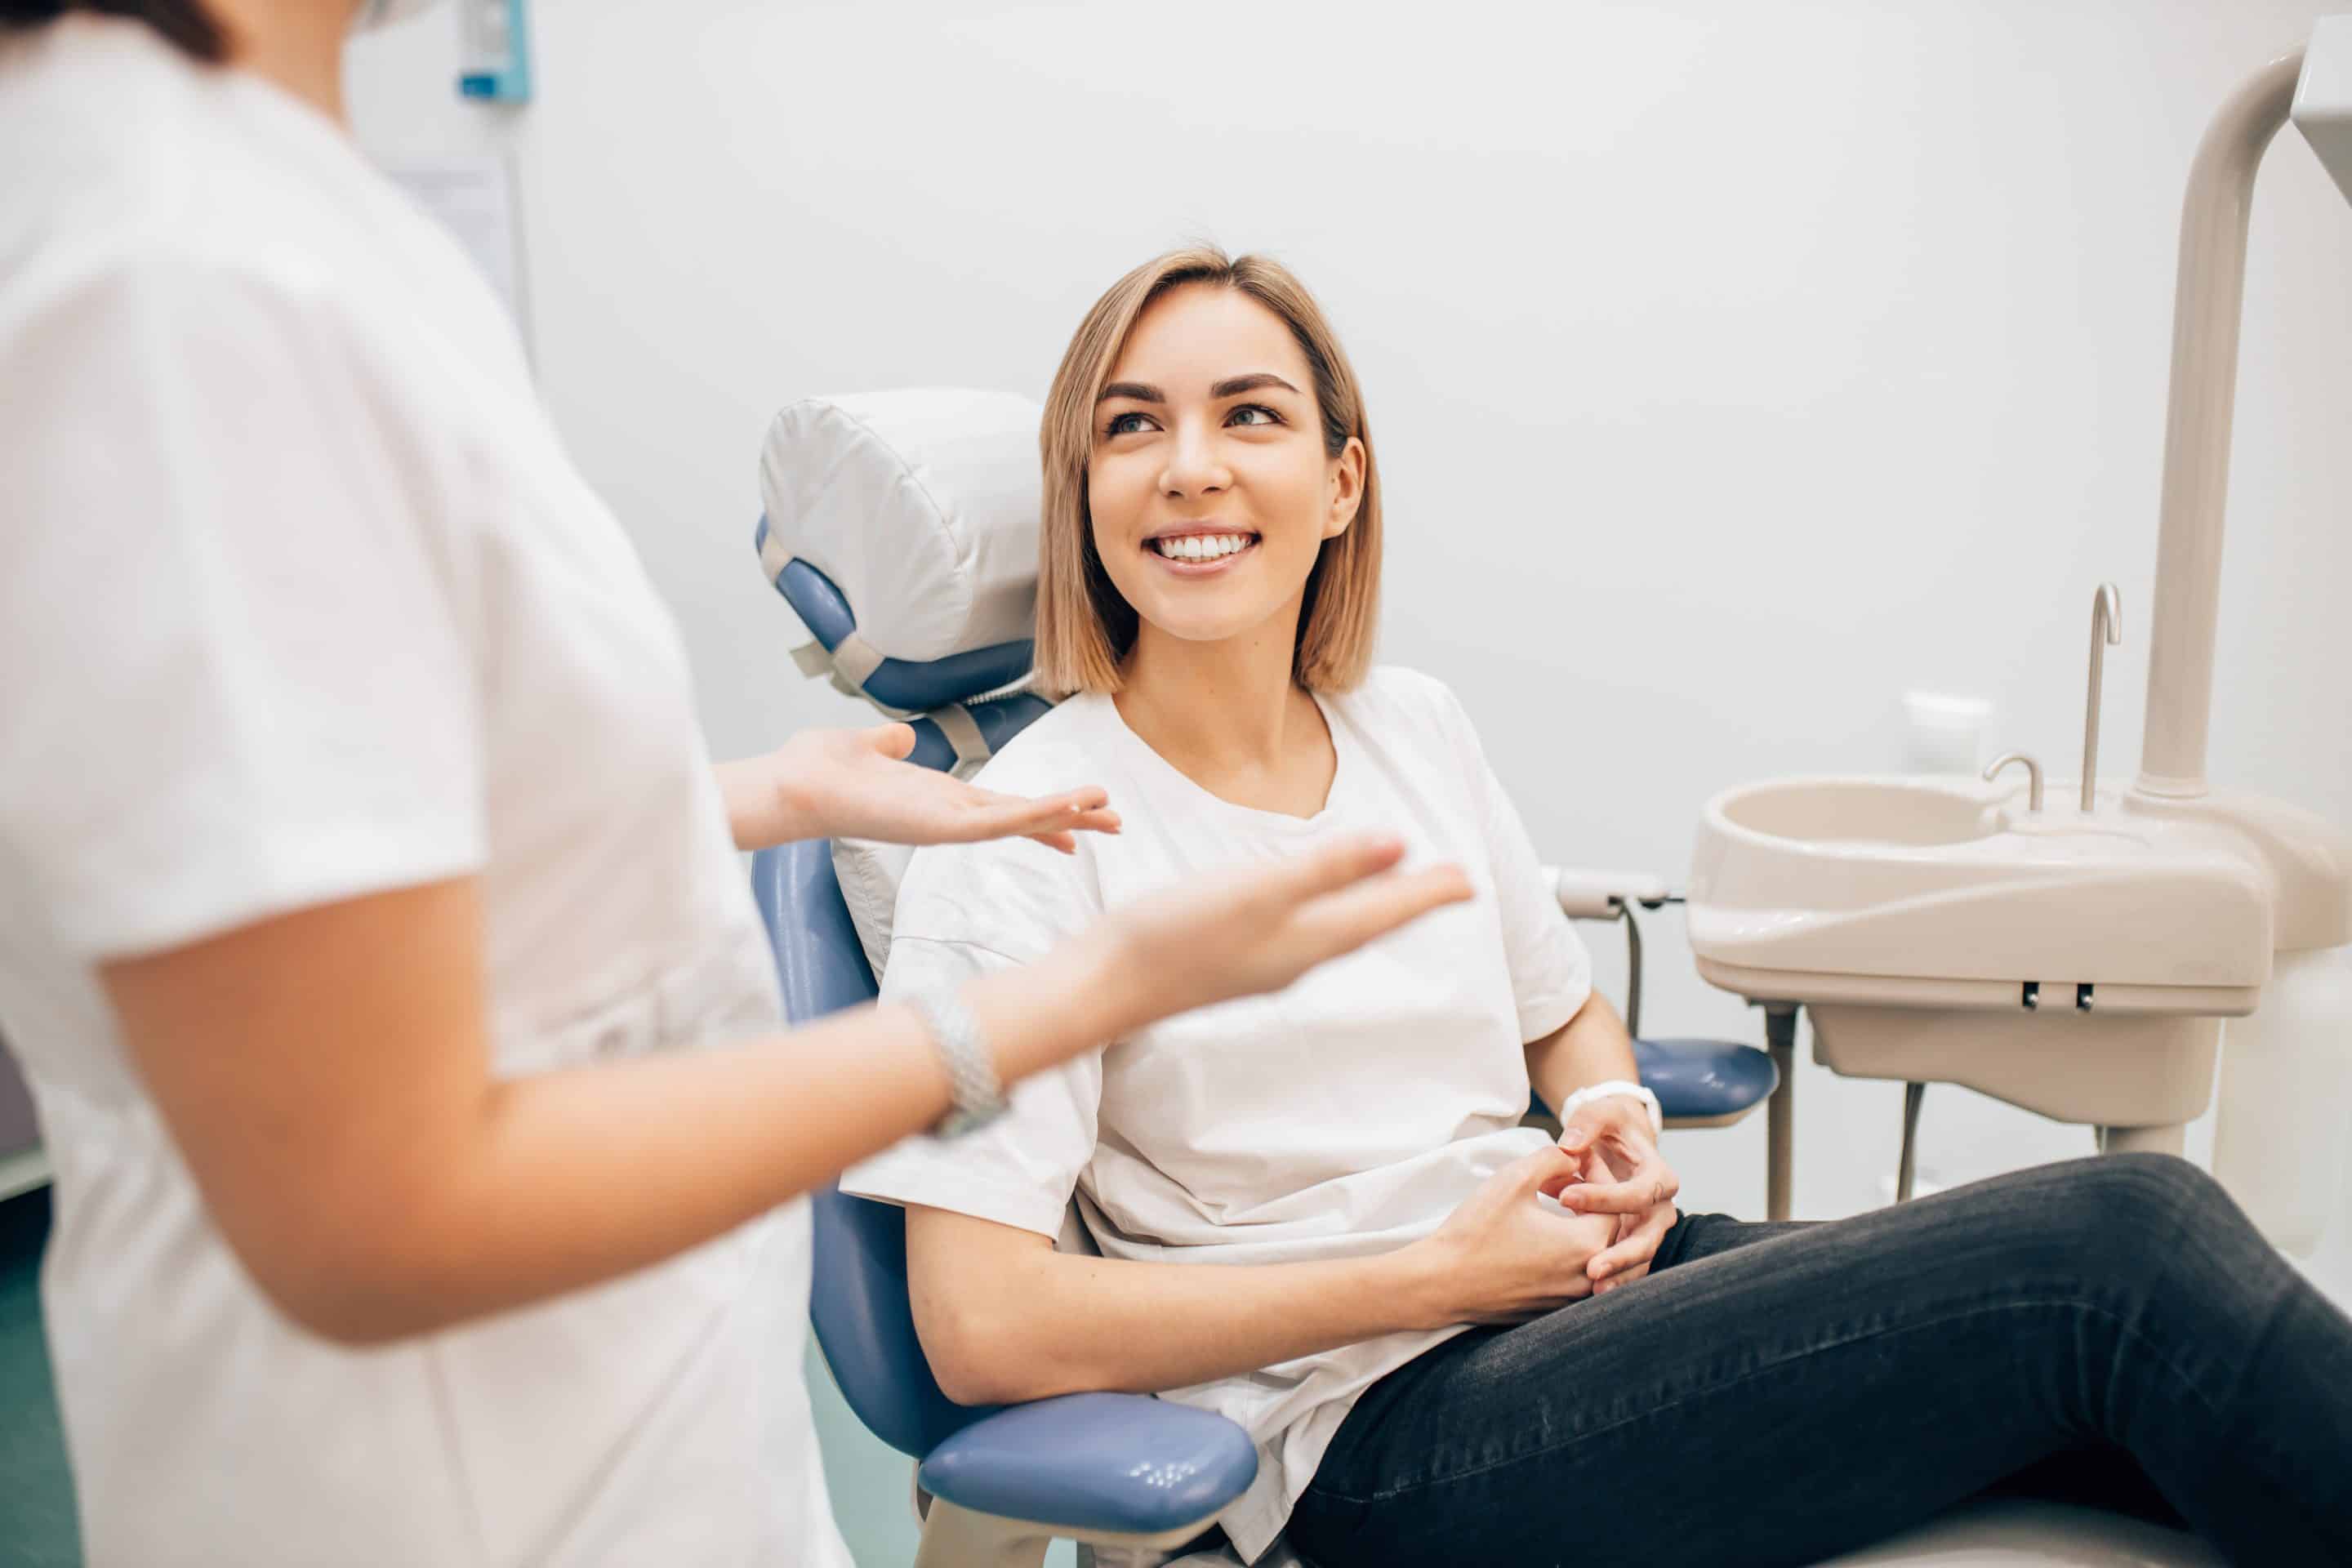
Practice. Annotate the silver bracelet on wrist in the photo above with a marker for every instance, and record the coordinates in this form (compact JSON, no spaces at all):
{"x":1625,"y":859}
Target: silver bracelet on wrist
{"x":976,"y":1093}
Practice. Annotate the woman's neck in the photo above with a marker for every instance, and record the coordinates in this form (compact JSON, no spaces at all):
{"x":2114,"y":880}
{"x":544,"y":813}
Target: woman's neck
{"x":297,"y":45}
{"x":1230,"y":717}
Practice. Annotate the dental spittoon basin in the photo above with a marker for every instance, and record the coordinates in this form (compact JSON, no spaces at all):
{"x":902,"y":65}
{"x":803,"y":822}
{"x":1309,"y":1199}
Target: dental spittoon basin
{"x":2077,"y":950}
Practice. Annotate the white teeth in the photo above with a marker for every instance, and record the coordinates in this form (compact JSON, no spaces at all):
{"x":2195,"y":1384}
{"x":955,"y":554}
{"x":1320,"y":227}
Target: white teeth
{"x":1202,"y":546}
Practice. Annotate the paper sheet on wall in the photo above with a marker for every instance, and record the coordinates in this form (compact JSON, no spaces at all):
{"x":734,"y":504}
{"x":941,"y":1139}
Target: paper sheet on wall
{"x":473,"y":197}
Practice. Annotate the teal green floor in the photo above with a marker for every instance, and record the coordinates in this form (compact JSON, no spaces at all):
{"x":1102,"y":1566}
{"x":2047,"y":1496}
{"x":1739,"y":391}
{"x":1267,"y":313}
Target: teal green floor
{"x":868,"y":1482}
{"x":36,"y":1493}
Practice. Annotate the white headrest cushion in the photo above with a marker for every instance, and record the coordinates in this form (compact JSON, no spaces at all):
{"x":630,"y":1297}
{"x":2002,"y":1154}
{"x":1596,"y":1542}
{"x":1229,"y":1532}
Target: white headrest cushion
{"x":920,"y":505}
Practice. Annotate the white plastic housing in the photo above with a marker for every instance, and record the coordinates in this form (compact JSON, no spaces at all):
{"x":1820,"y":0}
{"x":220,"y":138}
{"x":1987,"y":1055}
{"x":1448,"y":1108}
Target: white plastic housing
{"x":2323,"y":98}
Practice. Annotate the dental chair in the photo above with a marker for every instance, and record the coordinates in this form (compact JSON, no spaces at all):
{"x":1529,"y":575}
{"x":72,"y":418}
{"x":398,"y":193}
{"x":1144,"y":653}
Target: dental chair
{"x":919,"y":508}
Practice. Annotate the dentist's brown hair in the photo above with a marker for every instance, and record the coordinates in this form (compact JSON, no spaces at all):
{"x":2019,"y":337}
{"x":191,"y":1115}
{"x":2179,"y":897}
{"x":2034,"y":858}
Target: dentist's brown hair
{"x":1084,"y":627}
{"x":186,"y":23}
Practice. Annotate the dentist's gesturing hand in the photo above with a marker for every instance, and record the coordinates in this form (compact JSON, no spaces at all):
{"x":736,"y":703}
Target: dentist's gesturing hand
{"x":857,"y":783}
{"x":1250,"y":931}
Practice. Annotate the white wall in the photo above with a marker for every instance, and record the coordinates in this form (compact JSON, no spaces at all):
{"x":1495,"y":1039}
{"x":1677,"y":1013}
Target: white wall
{"x":1735,"y":367}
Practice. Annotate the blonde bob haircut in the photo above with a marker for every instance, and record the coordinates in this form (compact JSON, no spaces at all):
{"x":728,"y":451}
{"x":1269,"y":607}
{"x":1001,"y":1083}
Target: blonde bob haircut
{"x":1084,"y":627}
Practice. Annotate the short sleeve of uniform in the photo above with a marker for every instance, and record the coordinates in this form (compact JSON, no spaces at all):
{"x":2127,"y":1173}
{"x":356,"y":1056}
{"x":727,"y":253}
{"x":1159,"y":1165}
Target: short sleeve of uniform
{"x":1551,"y":972}
{"x":238,"y":677}
{"x":964,"y":911}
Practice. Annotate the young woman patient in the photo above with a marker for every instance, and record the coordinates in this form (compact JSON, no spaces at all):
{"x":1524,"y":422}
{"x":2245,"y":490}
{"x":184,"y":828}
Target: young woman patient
{"x":1451,"y":1340}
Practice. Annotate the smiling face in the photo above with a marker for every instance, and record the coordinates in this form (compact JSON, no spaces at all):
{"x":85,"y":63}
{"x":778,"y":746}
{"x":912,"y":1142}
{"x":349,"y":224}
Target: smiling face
{"x":1208,"y":482}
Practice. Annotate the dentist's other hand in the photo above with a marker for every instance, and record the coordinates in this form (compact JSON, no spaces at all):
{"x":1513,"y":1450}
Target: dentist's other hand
{"x":1241,"y":934}
{"x":857,"y":783}
{"x":1505,"y":1256}
{"x":1624,"y":1177}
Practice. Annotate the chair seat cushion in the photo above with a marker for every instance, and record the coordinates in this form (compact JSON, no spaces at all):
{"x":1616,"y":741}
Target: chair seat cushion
{"x":1703,"y":1079}
{"x":1118,"y":1462}
{"x":2020,"y":1533}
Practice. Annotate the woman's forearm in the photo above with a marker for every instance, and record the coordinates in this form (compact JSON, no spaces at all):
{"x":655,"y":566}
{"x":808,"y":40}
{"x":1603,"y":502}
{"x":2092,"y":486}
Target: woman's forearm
{"x":326,"y":1076}
{"x":760,"y":808}
{"x":1591,"y":1047}
{"x":585,"y":1174}
{"x":1004,"y":1318}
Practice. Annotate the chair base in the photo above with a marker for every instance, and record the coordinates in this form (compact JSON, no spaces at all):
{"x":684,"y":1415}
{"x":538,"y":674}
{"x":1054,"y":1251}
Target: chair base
{"x":956,"y":1538}
{"x":2019,"y":1532}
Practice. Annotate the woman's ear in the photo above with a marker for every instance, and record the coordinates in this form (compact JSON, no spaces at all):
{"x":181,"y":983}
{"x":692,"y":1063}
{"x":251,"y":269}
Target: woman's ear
{"x":1346,"y":488}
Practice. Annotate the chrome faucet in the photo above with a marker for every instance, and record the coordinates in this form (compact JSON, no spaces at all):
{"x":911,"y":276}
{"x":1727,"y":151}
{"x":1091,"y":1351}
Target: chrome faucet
{"x":2106,"y":630}
{"x":2033,"y":776}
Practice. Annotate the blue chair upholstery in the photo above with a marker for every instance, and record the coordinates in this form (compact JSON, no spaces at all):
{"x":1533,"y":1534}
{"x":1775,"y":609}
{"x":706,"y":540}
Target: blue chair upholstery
{"x":1698,"y":1080}
{"x":907,"y":686}
{"x":1121,"y":1464}
{"x":1704,"y":1080}
{"x":1113,"y":1463}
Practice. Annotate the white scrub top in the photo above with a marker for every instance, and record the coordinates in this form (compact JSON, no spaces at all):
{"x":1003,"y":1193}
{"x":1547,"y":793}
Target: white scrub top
{"x":300,"y":600}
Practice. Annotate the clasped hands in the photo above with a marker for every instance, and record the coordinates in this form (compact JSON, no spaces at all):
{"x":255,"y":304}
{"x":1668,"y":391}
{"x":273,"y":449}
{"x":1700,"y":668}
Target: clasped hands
{"x":1508,"y":1258}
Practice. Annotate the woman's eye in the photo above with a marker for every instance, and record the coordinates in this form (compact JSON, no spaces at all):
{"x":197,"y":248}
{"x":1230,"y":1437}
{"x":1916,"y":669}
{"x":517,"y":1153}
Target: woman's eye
{"x":1265,"y":415}
{"x":1119,"y":424}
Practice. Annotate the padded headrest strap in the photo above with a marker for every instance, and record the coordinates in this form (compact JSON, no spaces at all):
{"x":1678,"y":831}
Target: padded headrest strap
{"x":853,"y":659}
{"x":956,"y":723}
{"x":850,"y":664}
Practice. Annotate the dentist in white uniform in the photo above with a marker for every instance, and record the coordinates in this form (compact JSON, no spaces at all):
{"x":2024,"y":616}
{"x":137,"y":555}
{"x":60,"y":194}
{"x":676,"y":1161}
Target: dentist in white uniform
{"x":428,"y":1149}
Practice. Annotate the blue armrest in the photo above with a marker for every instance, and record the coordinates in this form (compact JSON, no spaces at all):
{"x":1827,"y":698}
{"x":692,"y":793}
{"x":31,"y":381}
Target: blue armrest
{"x":1699,"y":1080}
{"x":1703,"y":1079}
{"x":1116,"y":1462}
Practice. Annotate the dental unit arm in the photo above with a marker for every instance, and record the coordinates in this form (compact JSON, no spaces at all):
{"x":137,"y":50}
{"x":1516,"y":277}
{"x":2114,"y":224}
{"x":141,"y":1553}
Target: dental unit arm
{"x":2281,"y":1127}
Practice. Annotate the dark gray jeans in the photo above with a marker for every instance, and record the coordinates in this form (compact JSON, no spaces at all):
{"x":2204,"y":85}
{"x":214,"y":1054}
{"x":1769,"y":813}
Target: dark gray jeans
{"x":1780,"y":1393}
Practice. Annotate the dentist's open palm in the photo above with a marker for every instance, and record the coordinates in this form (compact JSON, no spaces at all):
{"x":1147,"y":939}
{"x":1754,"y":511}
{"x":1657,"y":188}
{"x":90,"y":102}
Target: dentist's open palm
{"x":1242,"y":933}
{"x":858,"y":783}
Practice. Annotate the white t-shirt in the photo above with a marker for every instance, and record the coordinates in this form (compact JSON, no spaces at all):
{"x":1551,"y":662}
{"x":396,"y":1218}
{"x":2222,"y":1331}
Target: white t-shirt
{"x":1342,"y":1117}
{"x":301,"y":599}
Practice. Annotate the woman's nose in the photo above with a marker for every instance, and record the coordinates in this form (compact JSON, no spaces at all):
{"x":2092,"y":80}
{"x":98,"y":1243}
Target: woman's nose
{"x":1194,"y":466}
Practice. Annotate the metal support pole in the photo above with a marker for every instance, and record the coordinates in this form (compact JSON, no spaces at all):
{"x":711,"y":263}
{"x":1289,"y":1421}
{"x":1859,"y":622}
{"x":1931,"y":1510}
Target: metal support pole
{"x":1780,"y":1111}
{"x":1633,"y":968}
{"x":1908,"y":1165}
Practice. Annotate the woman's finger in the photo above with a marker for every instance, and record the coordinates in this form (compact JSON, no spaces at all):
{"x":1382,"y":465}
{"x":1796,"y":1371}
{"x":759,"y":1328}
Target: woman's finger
{"x":1340,"y":864}
{"x":1343,"y":922}
{"x":1633,"y":1247}
{"x":1003,"y":816}
{"x":1066,"y":843}
{"x":1622,"y":1278}
{"x":1651,"y":1183}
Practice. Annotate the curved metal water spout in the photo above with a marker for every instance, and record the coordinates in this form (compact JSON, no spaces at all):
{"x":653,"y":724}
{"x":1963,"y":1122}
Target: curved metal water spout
{"x":2106,"y":630}
{"x":2210,"y":299}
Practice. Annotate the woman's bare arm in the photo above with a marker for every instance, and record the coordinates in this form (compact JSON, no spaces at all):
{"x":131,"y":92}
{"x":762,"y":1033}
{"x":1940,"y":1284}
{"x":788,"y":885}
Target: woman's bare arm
{"x":326,"y":1076}
{"x":1004,"y":1318}
{"x":1590,"y":1047}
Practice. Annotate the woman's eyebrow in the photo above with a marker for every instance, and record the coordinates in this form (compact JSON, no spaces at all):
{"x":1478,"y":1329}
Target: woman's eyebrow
{"x":1232,"y":386}
{"x":1256,"y":380}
